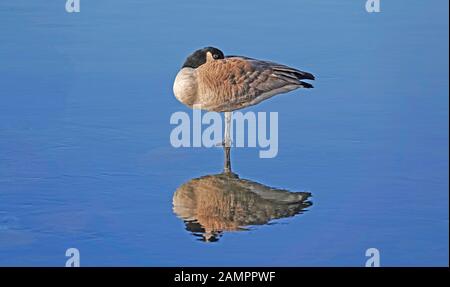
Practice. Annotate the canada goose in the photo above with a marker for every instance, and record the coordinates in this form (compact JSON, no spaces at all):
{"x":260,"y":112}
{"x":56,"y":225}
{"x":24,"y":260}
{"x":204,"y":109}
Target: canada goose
{"x":213,"y":204}
{"x":211,"y":81}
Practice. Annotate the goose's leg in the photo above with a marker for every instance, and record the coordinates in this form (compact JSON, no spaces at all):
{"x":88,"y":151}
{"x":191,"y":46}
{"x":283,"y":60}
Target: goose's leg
{"x":227,"y":143}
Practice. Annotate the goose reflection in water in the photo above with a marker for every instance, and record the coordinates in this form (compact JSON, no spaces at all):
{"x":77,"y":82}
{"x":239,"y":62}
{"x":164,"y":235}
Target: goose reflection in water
{"x":213,"y":204}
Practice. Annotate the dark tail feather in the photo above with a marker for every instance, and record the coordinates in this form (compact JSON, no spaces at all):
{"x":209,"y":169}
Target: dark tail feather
{"x":294,"y":78}
{"x":301,"y":75}
{"x":306,"y":85}
{"x":304,"y":75}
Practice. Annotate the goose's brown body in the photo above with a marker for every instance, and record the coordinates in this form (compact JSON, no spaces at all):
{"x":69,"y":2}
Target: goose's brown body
{"x":233,"y":83}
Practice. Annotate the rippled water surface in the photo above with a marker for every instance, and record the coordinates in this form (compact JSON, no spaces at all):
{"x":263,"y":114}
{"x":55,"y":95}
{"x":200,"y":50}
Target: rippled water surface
{"x":86,"y":161}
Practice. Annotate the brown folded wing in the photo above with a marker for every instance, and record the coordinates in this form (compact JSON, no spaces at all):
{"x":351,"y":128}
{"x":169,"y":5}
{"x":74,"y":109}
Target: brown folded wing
{"x":237,"y":82}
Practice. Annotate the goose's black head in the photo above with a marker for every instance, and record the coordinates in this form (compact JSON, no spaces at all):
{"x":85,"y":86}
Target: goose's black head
{"x":199,"y":57}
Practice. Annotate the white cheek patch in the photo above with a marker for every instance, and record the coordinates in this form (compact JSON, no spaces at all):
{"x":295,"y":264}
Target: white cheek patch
{"x":209,"y":57}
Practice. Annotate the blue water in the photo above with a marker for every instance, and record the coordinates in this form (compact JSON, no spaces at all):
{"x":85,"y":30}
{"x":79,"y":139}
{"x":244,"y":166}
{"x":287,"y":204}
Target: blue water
{"x":86,"y":162}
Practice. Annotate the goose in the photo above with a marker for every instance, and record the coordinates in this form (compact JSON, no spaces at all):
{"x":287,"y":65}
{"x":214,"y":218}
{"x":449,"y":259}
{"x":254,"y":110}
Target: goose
{"x":213,"y":204}
{"x":211,"y":81}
